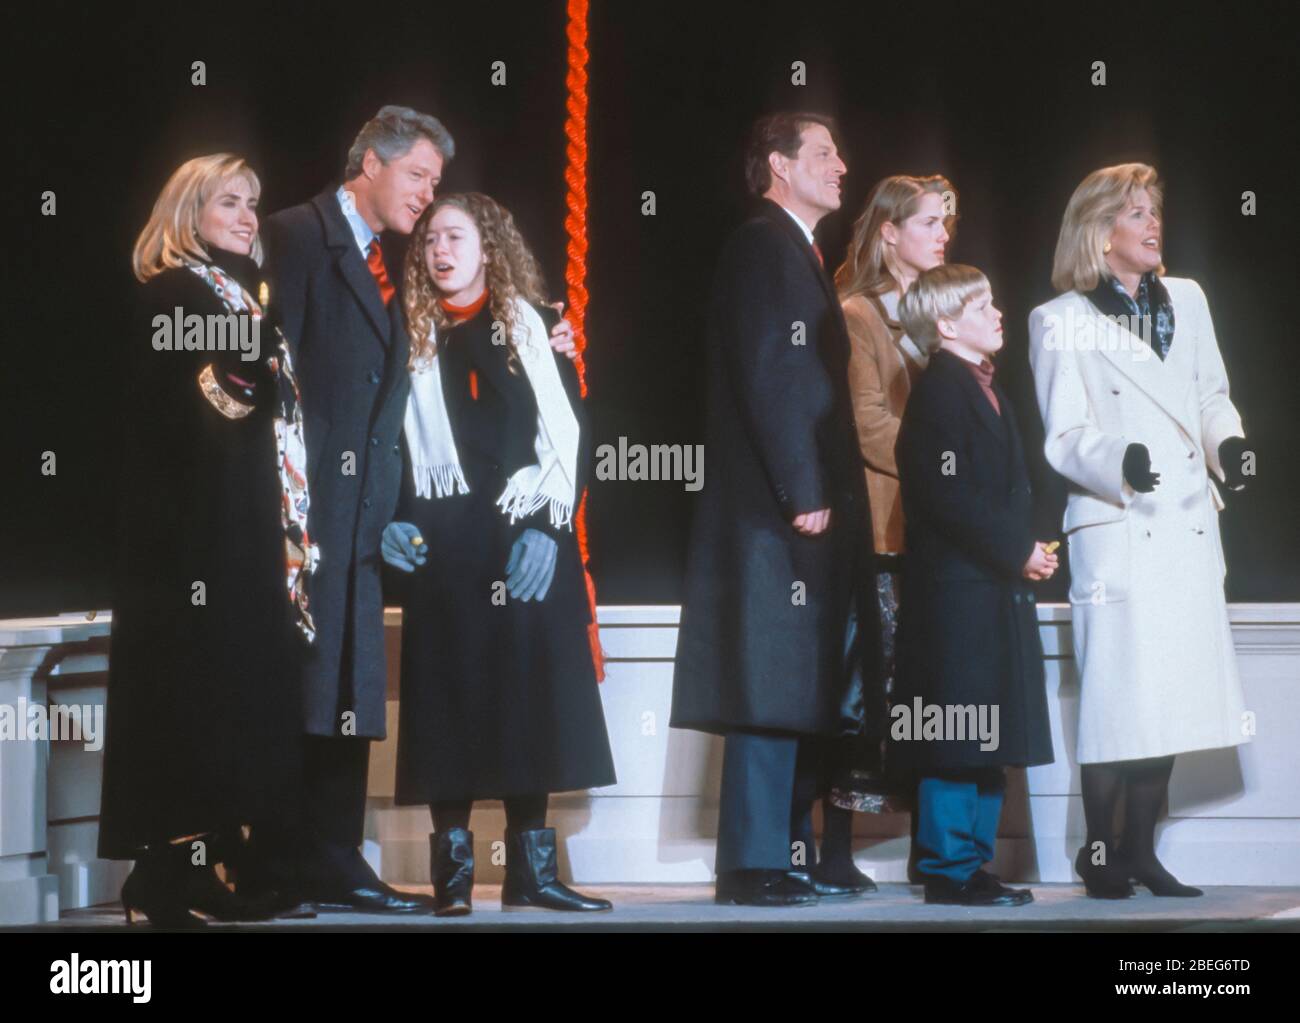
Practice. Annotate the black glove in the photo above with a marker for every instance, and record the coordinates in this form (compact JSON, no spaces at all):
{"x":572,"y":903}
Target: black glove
{"x":1137,"y":469}
{"x":1232,"y":454}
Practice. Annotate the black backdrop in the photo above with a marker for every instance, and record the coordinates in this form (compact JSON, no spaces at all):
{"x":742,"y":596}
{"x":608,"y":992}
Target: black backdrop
{"x":999,"y":98}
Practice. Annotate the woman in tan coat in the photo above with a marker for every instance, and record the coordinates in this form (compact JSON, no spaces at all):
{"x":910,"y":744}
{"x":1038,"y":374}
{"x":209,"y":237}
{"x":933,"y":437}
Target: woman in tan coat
{"x":903,"y":230}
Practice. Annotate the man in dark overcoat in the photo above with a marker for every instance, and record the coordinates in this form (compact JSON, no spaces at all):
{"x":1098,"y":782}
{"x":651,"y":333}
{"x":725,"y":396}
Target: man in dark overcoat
{"x":780,"y":545}
{"x":335,"y":295}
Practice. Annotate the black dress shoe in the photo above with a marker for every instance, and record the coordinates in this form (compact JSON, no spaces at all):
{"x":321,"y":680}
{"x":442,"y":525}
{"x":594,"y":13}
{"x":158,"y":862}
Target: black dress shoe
{"x":844,"y":874}
{"x":375,"y":897}
{"x":825,"y":889}
{"x":761,"y":888}
{"x":990,"y":882}
{"x":977,"y":890}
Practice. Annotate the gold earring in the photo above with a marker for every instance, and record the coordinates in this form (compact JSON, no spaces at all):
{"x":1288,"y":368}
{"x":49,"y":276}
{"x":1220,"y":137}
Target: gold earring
{"x":1106,"y":248}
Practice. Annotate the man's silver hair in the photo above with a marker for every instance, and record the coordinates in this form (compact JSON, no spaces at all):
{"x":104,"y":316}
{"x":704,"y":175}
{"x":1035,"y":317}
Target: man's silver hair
{"x":392,"y":132}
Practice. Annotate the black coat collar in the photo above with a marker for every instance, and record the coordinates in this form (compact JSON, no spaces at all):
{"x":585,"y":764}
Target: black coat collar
{"x":782,"y":218}
{"x":1000,"y":426}
{"x":340,"y":240}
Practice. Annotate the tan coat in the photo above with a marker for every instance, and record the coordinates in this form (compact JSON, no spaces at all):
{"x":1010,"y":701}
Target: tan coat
{"x":881,"y":375}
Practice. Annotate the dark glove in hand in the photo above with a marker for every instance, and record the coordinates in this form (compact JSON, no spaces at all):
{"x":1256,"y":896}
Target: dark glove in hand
{"x":396,"y":546}
{"x":1232,"y":453}
{"x":531,"y":565}
{"x":1137,"y":469}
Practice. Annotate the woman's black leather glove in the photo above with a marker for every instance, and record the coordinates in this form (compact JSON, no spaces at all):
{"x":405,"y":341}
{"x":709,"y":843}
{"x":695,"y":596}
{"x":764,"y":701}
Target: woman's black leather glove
{"x":1137,"y":469}
{"x":1232,"y":456}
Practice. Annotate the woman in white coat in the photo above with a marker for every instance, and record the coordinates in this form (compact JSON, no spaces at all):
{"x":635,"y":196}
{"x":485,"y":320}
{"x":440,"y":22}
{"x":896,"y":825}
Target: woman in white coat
{"x":1135,"y":404}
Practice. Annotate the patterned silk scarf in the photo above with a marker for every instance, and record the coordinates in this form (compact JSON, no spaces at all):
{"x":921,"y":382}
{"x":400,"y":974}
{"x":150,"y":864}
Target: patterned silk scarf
{"x":1151,"y":312}
{"x":300,"y":554}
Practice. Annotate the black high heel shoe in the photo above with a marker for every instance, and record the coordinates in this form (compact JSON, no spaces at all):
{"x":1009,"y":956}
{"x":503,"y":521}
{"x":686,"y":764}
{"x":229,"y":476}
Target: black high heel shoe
{"x":1158,"y":881}
{"x":1102,"y":881}
{"x":171,"y":892}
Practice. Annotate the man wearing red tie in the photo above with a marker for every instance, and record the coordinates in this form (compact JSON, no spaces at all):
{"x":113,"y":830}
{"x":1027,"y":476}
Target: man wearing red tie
{"x":336,"y":299}
{"x":336,"y":302}
{"x":780,"y":549}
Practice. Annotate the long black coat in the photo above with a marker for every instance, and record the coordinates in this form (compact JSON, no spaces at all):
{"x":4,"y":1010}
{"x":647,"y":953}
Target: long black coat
{"x":499,"y":696}
{"x":203,"y":712}
{"x":968,"y":627}
{"x":762,"y":639}
{"x":350,"y":353}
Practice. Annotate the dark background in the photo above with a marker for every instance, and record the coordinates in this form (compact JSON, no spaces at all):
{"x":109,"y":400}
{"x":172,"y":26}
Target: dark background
{"x":998,"y":98}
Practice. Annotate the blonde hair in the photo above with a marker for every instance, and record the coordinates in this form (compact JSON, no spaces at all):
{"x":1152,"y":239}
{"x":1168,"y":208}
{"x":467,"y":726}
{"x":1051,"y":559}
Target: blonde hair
{"x":868,"y":265}
{"x":938,"y":293}
{"x":172,"y":234}
{"x":511,"y":272}
{"x":1090,"y":217}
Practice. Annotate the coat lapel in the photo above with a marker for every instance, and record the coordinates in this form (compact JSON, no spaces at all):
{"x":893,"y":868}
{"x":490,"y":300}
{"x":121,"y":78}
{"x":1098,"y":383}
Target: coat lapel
{"x":782,"y":219}
{"x":353,"y":269}
{"x":1165,"y":383}
{"x":994,"y":423}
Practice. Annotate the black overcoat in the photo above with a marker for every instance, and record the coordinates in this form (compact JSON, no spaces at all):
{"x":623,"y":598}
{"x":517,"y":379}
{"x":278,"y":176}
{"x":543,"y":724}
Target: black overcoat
{"x":350,"y":352}
{"x":499,"y":696}
{"x":203,"y":713}
{"x":968,"y":626}
{"x":763,"y":637}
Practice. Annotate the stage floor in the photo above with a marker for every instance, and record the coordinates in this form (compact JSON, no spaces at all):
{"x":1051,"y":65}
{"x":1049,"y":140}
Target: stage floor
{"x":1055,"y":907}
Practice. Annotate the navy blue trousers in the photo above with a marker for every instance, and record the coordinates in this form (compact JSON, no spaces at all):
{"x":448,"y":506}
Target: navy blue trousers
{"x":957,"y":821}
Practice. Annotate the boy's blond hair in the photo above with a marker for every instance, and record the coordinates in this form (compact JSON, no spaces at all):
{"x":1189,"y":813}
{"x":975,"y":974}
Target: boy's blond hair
{"x":938,"y":293}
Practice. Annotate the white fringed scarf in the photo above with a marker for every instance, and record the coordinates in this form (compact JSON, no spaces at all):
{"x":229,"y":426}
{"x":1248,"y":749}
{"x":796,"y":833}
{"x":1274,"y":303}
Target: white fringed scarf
{"x":552,"y":480}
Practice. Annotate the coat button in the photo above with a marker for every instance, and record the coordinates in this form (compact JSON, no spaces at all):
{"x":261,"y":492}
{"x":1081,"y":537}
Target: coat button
{"x":397,"y":449}
{"x":374,"y":442}
{"x":373,"y":376}
{"x":365,"y":502}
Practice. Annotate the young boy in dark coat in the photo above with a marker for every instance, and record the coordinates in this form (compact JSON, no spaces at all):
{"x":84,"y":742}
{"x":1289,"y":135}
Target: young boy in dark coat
{"x":970,"y":664}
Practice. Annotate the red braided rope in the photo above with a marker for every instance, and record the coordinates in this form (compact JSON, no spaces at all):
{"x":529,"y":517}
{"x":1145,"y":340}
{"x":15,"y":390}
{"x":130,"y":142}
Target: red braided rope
{"x":575,"y":273}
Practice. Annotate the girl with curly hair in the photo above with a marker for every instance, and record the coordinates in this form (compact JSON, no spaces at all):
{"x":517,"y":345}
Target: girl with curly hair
{"x":499,"y":696}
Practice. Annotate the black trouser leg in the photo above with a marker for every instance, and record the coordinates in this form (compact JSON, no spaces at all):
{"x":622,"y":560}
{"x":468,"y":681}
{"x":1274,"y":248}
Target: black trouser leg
{"x":335,"y":806}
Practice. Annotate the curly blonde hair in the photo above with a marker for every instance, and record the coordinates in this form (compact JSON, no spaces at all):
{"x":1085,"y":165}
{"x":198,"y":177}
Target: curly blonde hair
{"x":511,"y":272}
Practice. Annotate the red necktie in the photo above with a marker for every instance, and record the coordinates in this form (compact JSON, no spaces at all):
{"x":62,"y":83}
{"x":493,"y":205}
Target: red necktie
{"x":818,"y":253}
{"x":375,"y":260}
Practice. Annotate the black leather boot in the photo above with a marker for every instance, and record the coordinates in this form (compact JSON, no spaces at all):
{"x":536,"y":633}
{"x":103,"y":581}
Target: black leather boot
{"x":530,"y":875}
{"x":451,"y":854}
